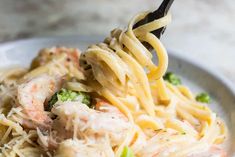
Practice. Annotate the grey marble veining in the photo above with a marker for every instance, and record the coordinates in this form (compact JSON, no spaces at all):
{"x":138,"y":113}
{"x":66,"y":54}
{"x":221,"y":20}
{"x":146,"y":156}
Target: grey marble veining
{"x":201,"y":29}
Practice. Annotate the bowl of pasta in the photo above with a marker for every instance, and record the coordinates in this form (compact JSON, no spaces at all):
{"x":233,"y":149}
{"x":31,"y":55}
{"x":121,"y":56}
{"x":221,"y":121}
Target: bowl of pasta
{"x":89,"y":97}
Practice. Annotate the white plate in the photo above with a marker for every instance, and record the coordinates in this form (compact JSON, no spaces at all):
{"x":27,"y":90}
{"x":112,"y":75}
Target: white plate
{"x":193,"y":74}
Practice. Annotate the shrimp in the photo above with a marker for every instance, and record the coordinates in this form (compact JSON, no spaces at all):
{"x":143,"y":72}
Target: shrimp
{"x":68,"y":62}
{"x":31,"y":95}
{"x":91,"y":123}
{"x":46,"y":55}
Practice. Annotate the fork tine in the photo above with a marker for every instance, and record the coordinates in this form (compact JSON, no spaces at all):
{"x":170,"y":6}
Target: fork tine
{"x":160,"y":12}
{"x":163,"y":8}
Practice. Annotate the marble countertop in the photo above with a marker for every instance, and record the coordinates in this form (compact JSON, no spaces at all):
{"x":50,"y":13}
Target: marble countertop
{"x":201,"y":29}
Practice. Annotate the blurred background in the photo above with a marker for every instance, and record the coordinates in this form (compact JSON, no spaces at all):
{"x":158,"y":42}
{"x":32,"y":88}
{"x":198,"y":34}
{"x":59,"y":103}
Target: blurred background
{"x":201,"y":29}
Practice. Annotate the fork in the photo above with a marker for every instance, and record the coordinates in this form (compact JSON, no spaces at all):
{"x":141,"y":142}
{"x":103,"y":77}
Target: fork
{"x":160,"y":12}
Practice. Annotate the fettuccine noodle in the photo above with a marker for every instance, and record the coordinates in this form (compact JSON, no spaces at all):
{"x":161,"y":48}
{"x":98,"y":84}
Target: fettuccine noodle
{"x":135,"y":107}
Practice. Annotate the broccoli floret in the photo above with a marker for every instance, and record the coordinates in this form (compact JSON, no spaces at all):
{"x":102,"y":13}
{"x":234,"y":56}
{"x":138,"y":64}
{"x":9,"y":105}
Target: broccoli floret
{"x":53,"y":100}
{"x":203,"y":97}
{"x":127,"y":152}
{"x":86,"y":99}
{"x":172,"y":78}
{"x":69,"y":95}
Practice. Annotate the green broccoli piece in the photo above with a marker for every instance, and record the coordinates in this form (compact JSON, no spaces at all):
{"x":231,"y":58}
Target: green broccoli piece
{"x":172,"y":78}
{"x":203,"y":97}
{"x":53,"y":100}
{"x":127,"y":152}
{"x":69,"y":95}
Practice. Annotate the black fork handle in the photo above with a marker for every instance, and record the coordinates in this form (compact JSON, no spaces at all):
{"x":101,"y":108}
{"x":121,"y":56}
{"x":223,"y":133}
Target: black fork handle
{"x":160,"y":12}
